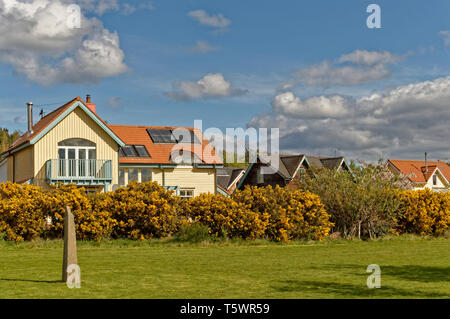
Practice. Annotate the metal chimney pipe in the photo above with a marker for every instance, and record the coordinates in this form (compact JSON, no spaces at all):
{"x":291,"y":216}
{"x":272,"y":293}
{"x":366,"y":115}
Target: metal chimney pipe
{"x":426,"y":162}
{"x":30,"y":117}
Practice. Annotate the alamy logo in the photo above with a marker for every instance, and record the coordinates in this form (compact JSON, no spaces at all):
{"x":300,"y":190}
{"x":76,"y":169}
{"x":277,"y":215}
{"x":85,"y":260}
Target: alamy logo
{"x":374,"y":280}
{"x":74,"y":17}
{"x":374,"y":20}
{"x":73,"y":276}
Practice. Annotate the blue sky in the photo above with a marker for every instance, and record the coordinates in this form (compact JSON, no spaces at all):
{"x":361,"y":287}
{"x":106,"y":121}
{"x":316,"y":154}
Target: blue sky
{"x":256,"y":47}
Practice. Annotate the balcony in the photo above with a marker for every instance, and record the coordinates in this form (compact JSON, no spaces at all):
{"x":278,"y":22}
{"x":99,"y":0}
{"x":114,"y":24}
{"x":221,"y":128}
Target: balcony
{"x":79,"y":171}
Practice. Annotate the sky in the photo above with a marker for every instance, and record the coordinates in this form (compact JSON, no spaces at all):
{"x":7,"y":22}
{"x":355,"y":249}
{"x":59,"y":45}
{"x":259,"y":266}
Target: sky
{"x":313,"y":69}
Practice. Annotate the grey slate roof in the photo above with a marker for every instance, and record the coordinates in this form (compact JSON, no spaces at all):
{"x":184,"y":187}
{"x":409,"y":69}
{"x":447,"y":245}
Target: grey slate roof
{"x":287,"y":164}
{"x":327,"y":162}
{"x":227,"y":175}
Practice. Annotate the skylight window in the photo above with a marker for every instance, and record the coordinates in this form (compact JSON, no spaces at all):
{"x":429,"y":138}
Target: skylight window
{"x":181,"y":135}
{"x":133,"y":151}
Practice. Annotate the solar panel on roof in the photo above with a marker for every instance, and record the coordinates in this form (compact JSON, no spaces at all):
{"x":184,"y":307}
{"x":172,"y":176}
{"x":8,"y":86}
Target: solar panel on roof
{"x":141,"y":150}
{"x":161,"y":136}
{"x":185,"y":136}
{"x":129,"y":151}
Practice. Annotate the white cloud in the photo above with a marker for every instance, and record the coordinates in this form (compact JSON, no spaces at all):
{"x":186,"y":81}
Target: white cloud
{"x":314,"y":107}
{"x":446,"y":36}
{"x":369,"y":57}
{"x":404,"y":122}
{"x":216,"y":21}
{"x":364,"y":67}
{"x":209,"y":86}
{"x":202,"y":47}
{"x":38,"y":42}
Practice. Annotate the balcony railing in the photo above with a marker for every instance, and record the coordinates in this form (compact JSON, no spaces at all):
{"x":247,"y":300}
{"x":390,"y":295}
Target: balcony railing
{"x":79,"y":171}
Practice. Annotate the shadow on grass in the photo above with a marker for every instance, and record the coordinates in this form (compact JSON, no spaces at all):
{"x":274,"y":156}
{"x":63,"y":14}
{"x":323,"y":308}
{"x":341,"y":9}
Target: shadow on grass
{"x":405,"y":272}
{"x":349,"y":290}
{"x":30,"y":280}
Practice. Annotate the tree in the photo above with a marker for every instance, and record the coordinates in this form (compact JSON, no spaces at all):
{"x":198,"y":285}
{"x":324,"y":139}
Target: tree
{"x":7,"y":139}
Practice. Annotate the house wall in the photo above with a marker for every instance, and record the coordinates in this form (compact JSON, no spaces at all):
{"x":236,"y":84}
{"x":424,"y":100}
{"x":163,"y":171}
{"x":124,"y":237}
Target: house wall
{"x":295,"y":182}
{"x":23,"y":165}
{"x":269,"y":179}
{"x":440,"y":183}
{"x":4,"y":171}
{"x":202,"y":180}
{"x":75,"y":125}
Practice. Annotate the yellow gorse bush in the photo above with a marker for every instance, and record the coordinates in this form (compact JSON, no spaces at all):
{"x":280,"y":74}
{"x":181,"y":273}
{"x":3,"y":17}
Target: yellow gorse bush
{"x":21,"y":211}
{"x":225,"y":217}
{"x":147,"y":210}
{"x":424,"y":212}
{"x":288,"y":214}
{"x":140,"y":211}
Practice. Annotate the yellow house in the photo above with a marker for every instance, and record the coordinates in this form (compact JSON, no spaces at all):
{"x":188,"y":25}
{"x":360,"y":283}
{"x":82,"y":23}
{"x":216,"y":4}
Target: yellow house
{"x":433,"y":175}
{"x":73,"y":144}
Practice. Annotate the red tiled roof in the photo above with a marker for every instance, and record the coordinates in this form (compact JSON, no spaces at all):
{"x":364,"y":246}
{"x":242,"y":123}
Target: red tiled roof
{"x":416,"y":170}
{"x":44,"y":122}
{"x":160,"y":153}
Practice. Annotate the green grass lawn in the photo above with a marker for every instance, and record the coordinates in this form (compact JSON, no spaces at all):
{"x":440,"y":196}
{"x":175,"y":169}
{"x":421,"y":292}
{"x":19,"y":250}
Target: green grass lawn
{"x":411,"y":267}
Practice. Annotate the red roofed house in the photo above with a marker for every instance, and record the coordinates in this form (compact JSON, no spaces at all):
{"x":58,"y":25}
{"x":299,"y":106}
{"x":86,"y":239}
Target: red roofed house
{"x":73,"y":144}
{"x":434,"y":175}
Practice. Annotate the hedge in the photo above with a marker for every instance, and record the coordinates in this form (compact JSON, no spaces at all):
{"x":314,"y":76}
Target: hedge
{"x":147,"y":210}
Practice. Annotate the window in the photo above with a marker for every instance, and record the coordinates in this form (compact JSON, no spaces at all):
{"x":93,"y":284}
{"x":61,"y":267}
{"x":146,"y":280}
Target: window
{"x":122,"y":177}
{"x":186,"y":193}
{"x":434,"y":180}
{"x":146,"y":175}
{"x":168,"y":136}
{"x":133,"y":175}
{"x":76,"y":158}
{"x":133,"y":151}
{"x":141,"y":150}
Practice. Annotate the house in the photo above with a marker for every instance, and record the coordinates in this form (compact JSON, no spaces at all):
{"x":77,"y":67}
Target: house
{"x":73,"y":144}
{"x":289,"y":171}
{"x":228,"y":179}
{"x":433,"y":175}
{"x":336,"y":163}
{"x":263,"y":172}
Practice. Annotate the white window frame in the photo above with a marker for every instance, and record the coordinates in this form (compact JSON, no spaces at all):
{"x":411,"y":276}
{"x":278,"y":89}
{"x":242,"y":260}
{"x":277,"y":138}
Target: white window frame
{"x":125,"y":174}
{"x":191,"y":190}
{"x":77,"y":148}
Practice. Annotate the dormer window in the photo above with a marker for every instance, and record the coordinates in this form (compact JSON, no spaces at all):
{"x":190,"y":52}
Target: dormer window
{"x":434,"y":180}
{"x":133,"y":151}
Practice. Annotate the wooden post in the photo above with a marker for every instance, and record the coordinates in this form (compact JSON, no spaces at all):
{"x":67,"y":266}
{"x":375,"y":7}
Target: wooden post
{"x":70,"y":243}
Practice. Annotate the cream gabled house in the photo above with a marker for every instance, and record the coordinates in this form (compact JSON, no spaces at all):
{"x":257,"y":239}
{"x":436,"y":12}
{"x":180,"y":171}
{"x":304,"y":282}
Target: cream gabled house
{"x":73,"y":144}
{"x":433,"y":175}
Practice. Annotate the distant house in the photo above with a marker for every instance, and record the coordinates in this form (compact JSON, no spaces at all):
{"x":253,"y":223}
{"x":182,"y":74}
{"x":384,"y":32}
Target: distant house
{"x":72,"y":144}
{"x":336,"y":163}
{"x":433,"y":175}
{"x":228,"y":179}
{"x":264,"y":172}
{"x":289,"y":171}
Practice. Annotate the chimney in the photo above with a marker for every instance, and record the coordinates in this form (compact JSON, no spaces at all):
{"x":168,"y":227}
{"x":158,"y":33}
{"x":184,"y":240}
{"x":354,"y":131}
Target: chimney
{"x":426,"y":162}
{"x":90,"y":105}
{"x":30,"y":117}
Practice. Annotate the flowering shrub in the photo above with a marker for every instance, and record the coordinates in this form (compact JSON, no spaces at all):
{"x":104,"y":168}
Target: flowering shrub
{"x":140,"y":211}
{"x":424,"y":212}
{"x":147,"y":210}
{"x":225,"y":217}
{"x":288,"y":214}
{"x":21,"y":211}
{"x":89,"y":224}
